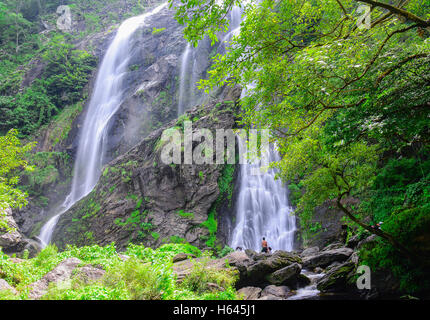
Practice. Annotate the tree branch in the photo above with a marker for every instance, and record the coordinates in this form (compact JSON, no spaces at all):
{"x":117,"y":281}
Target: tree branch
{"x":395,"y":10}
{"x":401,"y":63}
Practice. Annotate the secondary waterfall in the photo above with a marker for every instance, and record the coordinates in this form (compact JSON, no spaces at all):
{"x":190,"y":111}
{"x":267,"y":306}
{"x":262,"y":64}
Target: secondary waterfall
{"x":190,"y":69}
{"x":105,"y":102}
{"x":263,"y":209}
{"x":189,"y":75}
{"x":183,"y":85}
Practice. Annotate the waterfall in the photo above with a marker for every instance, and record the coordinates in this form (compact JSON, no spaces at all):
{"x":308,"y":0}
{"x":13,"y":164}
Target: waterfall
{"x":189,"y":75}
{"x":191,"y":64}
{"x":183,"y":85}
{"x":263,"y":209}
{"x":105,"y":102}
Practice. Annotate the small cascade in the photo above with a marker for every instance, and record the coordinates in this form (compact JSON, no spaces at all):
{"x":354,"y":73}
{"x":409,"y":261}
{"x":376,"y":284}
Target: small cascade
{"x":105,"y":102}
{"x":309,"y":292}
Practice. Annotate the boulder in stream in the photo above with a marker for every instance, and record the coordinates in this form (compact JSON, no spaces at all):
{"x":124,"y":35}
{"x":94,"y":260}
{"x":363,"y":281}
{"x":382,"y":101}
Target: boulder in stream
{"x":327,"y":257}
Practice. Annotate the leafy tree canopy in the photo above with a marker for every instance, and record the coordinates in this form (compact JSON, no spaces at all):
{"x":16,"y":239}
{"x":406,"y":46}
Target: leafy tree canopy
{"x":338,"y":90}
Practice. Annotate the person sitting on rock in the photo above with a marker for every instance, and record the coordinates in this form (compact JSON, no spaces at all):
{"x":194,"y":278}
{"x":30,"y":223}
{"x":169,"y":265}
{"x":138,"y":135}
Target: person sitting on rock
{"x":265,"y":246}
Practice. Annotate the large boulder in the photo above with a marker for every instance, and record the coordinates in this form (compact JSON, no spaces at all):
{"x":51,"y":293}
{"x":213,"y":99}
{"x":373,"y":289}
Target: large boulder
{"x":182,"y":256}
{"x":12,"y":237}
{"x":338,"y":279}
{"x":236,"y":261}
{"x":61,"y":273}
{"x":250,"y":293}
{"x":276,"y":292}
{"x":89,"y":274}
{"x":286,"y":276}
{"x":334,"y":245}
{"x":264,"y":265}
{"x":310,"y":252}
{"x":325,"y":258}
{"x":240,"y":261}
{"x":257,"y":255}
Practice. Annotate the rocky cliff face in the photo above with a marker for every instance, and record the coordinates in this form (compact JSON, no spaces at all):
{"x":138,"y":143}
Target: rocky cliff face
{"x":329,"y":227}
{"x":150,"y":101}
{"x":140,"y":199}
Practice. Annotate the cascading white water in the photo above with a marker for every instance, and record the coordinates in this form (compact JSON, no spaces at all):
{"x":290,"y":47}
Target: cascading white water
{"x":105,"y":102}
{"x":263,"y":209}
{"x":235,"y":20}
{"x":182,"y":104}
{"x":188,"y":95}
{"x":189,"y":72}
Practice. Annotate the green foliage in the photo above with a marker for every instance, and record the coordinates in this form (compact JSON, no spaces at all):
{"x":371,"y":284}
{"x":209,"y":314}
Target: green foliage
{"x":66,"y":74}
{"x":400,"y":198}
{"x":177,"y":239}
{"x":188,"y":215}
{"x":295,"y":193}
{"x":156,"y":31}
{"x":212,"y":225}
{"x":202,"y":275}
{"x":339,"y":101}
{"x":147,"y":275}
{"x":12,"y":153}
{"x":47,"y":167}
{"x":225,"y":251}
{"x":225,"y":182}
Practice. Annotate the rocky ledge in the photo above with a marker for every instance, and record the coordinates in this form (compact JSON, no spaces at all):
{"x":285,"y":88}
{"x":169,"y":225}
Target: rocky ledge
{"x":261,"y":276}
{"x":12,"y":240}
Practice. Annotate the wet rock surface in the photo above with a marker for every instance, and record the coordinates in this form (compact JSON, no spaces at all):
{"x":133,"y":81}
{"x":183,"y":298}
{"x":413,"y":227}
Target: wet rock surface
{"x":250,"y":293}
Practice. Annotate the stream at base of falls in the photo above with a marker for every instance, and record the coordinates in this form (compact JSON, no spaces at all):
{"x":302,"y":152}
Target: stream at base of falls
{"x":309,"y":292}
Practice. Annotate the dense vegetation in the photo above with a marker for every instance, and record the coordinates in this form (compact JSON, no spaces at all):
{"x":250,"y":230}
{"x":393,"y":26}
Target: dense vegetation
{"x":29,"y":40}
{"x":347,"y":101}
{"x":145,"y":274}
{"x":11,"y":158}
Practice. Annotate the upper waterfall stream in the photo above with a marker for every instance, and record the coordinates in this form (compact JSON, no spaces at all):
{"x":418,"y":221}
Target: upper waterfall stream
{"x":105,"y":102}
